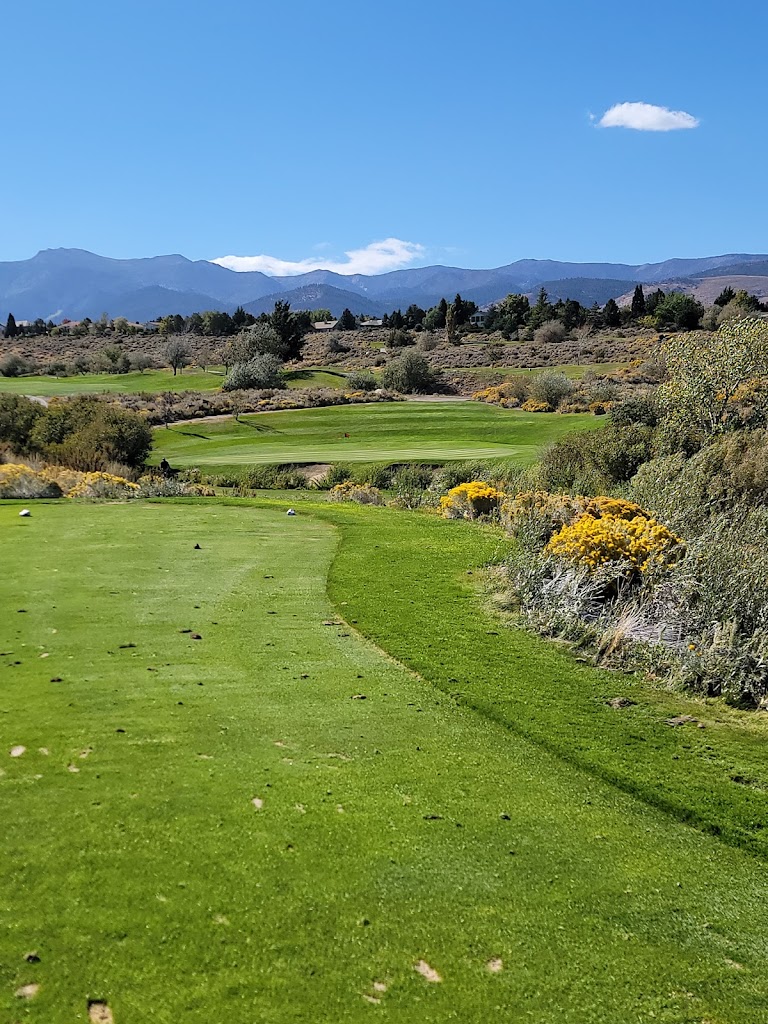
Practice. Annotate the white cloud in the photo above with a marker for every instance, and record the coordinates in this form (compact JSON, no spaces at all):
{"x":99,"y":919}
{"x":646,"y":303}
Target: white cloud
{"x":645,"y":117}
{"x":376,"y":258}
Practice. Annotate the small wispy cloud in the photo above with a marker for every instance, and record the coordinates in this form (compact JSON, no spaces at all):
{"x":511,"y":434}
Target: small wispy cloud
{"x":376,"y":258}
{"x":646,"y":117}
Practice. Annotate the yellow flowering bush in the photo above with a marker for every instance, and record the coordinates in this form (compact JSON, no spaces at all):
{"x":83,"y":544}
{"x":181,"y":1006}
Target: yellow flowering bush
{"x":470,"y":500}
{"x":506,"y":395}
{"x":534,"y":405}
{"x":363,"y":494}
{"x":638,"y":543}
{"x":616,"y":508}
{"x":22,"y":481}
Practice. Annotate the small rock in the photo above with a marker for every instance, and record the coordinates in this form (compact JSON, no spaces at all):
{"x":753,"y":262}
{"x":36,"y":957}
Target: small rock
{"x":291,"y":512}
{"x":18,"y":751}
{"x":358,"y":696}
{"x":33,"y":957}
{"x":679,"y":720}
{"x":25,"y":512}
{"x":195,"y":636}
{"x":257,"y":802}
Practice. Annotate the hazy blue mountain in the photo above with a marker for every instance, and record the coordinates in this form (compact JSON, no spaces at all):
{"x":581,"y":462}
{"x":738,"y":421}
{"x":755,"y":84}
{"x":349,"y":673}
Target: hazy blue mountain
{"x":319,"y":296}
{"x":73,"y":283}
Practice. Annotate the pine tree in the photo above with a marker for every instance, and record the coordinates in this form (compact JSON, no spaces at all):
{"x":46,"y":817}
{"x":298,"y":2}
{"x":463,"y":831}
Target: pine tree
{"x":637,"y":309}
{"x":11,"y":330}
{"x":347,"y":321}
{"x":611,"y":314}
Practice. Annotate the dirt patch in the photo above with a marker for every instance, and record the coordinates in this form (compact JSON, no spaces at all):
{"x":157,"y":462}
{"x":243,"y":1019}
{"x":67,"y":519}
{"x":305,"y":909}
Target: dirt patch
{"x":314,"y":472}
{"x":427,"y":972}
{"x":494,"y":965}
{"x":99,"y":1012}
{"x":27,"y":991}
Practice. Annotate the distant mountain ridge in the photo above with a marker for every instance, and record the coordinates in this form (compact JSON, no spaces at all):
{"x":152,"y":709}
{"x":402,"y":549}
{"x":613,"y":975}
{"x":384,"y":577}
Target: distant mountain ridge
{"x":73,"y":283}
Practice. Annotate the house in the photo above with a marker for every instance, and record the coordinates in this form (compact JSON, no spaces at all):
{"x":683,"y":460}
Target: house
{"x":370,"y":323}
{"x":478,"y":319}
{"x":326,"y":325}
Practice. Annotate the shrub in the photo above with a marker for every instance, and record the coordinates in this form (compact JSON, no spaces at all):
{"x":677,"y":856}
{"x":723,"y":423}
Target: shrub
{"x":20,"y":481}
{"x":361,"y":380}
{"x":261,"y":371}
{"x":512,"y":393}
{"x":14,"y":366}
{"x":409,"y":374}
{"x":551,"y":388}
{"x":362,"y":494}
{"x":18,"y":416}
{"x":534,"y":405}
{"x":551,"y":332}
{"x":641,"y":409}
{"x":337,"y":474}
{"x":535,"y":515}
{"x":88,"y":434}
{"x":400,"y":339}
{"x":471,"y":500}
{"x":637,"y":543}
{"x":593,"y":460}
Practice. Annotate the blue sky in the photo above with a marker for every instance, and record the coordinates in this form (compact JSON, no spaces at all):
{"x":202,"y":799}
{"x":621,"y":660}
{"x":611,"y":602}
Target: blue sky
{"x":301,"y":131}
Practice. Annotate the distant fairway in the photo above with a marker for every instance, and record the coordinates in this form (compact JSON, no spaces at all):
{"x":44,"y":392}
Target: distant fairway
{"x":152,"y":382}
{"x":398,"y":432}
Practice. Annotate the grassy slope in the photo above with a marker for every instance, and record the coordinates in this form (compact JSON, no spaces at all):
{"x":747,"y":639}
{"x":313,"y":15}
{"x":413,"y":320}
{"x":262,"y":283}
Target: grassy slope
{"x":151,"y":382}
{"x":149,"y":879}
{"x":392,"y":432}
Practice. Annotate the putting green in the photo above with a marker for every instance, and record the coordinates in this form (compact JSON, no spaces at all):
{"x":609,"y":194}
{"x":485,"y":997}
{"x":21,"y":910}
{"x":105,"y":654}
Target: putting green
{"x":381,"y":432}
{"x":267,"y":820}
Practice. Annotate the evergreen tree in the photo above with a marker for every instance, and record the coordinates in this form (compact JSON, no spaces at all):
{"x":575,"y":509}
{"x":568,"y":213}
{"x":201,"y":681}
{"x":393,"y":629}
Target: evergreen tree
{"x":726,"y":295}
{"x":290,"y":328}
{"x":347,"y":321}
{"x":637,"y":309}
{"x":653,"y":300}
{"x":572,"y":314}
{"x":611,"y":314}
{"x":11,"y":330}
{"x":542,"y":311}
{"x":239,"y":318}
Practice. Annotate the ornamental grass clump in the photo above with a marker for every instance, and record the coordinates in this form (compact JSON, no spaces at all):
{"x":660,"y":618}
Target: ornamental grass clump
{"x":471,"y":500}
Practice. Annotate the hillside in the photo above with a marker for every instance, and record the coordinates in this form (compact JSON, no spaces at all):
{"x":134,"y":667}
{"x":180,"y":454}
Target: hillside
{"x":73,"y":283}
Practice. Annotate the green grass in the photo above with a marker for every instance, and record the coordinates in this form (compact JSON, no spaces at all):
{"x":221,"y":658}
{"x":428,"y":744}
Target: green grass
{"x":409,"y":825}
{"x":150,"y":381}
{"x":383,"y":432}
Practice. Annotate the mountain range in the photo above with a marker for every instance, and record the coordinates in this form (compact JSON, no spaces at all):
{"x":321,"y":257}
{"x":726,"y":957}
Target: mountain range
{"x":73,"y":283}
